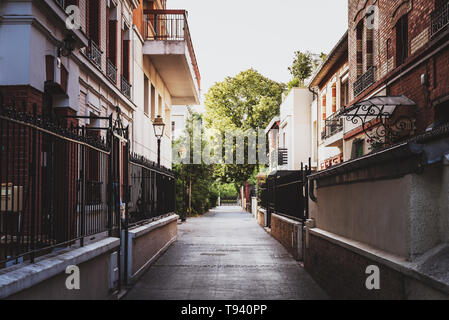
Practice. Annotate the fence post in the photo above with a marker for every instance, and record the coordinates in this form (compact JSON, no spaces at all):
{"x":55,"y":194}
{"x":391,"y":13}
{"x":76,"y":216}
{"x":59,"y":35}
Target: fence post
{"x":34,"y":174}
{"x":83,"y":190}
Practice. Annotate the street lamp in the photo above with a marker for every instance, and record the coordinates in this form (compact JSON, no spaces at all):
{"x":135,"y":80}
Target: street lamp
{"x":159,"y":126}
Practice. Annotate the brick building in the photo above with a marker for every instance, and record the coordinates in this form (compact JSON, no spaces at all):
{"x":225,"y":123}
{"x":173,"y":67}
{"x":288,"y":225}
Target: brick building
{"x":399,"y":48}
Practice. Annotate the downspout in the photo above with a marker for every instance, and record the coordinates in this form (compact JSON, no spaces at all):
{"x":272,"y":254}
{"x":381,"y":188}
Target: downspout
{"x":312,"y":182}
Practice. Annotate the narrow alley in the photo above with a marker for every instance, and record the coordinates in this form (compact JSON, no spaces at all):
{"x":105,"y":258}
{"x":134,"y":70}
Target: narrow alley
{"x":225,"y":255}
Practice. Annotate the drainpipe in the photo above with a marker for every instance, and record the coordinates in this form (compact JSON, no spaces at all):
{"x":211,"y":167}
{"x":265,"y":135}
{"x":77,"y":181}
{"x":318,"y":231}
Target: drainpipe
{"x":312,"y":183}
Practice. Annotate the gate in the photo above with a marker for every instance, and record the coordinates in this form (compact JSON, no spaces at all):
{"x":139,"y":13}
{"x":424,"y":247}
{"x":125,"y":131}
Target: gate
{"x":286,"y":193}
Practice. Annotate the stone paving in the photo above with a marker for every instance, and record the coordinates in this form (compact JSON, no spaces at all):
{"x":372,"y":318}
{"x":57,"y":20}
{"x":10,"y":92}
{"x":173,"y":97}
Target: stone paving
{"x":225,"y":255}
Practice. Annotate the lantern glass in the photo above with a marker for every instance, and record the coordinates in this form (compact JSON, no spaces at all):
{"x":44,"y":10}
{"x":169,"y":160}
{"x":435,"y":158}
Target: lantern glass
{"x":159,"y":127}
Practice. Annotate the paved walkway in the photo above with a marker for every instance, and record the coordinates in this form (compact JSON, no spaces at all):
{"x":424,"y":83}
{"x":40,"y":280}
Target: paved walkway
{"x":225,"y":255}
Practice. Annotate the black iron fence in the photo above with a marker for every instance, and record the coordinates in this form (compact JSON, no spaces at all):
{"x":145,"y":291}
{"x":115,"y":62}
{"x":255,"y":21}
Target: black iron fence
{"x":285,"y":193}
{"x":61,"y":184}
{"x":152,"y":191}
{"x":54,"y":184}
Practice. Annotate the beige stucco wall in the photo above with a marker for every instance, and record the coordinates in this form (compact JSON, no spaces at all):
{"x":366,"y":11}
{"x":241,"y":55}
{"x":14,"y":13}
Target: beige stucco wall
{"x":373,"y":213}
{"x":146,"y":247}
{"x":406,"y":216}
{"x":94,"y":284}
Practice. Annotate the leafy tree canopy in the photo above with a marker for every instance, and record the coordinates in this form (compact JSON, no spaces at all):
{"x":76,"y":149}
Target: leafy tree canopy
{"x":247,"y":101}
{"x":303,"y":66}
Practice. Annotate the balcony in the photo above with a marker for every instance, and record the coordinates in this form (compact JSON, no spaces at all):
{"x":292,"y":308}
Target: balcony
{"x":439,"y":19}
{"x":334,"y":125}
{"x":94,"y":54}
{"x":126,"y":87}
{"x":365,"y":81}
{"x":111,"y":71}
{"x":168,"y":45}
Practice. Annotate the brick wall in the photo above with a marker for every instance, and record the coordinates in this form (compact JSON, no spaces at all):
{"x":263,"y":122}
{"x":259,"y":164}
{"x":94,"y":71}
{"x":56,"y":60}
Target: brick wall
{"x":406,"y":82}
{"x":341,"y":272}
{"x":286,"y":232}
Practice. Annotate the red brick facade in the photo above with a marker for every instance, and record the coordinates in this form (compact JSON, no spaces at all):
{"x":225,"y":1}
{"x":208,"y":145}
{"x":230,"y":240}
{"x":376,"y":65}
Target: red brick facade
{"x":426,"y":54}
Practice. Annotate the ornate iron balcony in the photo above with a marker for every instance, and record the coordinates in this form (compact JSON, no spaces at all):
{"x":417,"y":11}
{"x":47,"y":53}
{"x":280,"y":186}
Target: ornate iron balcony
{"x":334,"y":125}
{"x":111,"y":71}
{"x":126,"y":87}
{"x":282,"y":156}
{"x":439,"y":19}
{"x":95,"y":54}
{"x":365,"y":81}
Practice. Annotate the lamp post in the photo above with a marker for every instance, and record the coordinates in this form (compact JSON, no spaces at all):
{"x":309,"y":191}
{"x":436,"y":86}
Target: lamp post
{"x":182,"y":152}
{"x":159,"y":126}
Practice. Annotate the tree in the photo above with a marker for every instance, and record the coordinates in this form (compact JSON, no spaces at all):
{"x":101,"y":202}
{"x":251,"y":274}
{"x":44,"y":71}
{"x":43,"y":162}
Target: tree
{"x":303,"y":66}
{"x":247,"y":101}
{"x":199,"y":178}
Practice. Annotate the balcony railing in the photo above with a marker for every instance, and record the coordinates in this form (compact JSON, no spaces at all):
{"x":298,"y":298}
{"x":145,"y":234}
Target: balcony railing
{"x":111,"y":71}
{"x":95,"y":54}
{"x":334,"y":125}
{"x":439,"y":19}
{"x":365,"y":81}
{"x":170,"y":25}
{"x":126,"y":87}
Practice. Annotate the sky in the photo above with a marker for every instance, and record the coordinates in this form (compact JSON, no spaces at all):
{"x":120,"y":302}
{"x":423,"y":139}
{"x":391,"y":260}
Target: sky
{"x":235,"y":35}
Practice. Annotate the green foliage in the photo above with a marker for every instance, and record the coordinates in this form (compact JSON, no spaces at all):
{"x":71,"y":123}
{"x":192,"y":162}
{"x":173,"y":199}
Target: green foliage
{"x":199,"y":176}
{"x":246,"y":101}
{"x":303,"y":66}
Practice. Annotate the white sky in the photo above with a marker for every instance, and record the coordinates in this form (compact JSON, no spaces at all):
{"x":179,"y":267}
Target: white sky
{"x":230,"y":36}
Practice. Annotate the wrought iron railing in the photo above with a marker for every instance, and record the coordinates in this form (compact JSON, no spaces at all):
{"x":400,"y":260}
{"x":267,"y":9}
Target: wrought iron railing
{"x":171,"y":25}
{"x":152,"y":191}
{"x":333,"y":125}
{"x":95,"y":54}
{"x":365,"y":81}
{"x":125,"y":86}
{"x":46,"y":200}
{"x":111,"y":71}
{"x":439,"y":19}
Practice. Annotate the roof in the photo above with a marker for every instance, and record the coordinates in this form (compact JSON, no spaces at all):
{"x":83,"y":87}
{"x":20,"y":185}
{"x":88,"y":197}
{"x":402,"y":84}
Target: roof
{"x":337,"y":52}
{"x":275,"y":121}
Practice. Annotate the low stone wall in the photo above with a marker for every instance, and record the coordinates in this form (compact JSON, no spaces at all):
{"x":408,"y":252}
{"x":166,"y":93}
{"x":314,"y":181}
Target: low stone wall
{"x":340,"y":266}
{"x":148,"y":242}
{"x":289,"y":233}
{"x":261,"y":217}
{"x":46,"y":279}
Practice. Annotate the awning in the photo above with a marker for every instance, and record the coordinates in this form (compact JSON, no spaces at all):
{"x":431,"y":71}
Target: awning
{"x":377,"y":107}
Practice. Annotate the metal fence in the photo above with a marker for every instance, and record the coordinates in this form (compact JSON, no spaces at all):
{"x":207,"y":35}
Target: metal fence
{"x":152,"y":191}
{"x":285,"y":193}
{"x":61,"y":183}
{"x":54,"y":185}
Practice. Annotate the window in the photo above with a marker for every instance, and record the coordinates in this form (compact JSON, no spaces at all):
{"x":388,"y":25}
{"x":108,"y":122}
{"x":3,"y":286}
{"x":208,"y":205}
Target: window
{"x":159,"y":109}
{"x":146,"y":94}
{"x":359,"y":34}
{"x":50,"y":68}
{"x":93,"y":25}
{"x":441,"y":114}
{"x":112,"y":37}
{"x":153,"y":102}
{"x":125,"y":56}
{"x":344,"y":93}
{"x":357,"y":148}
{"x":401,"y":40}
